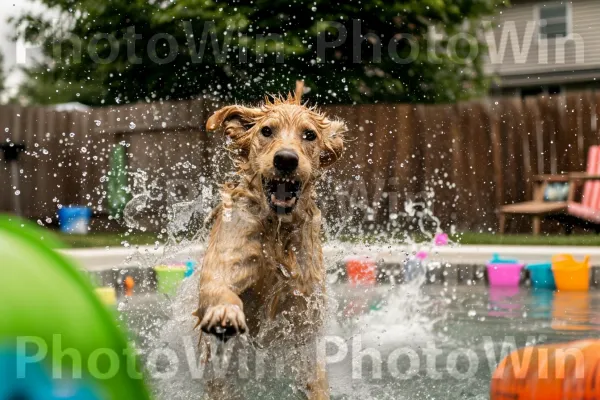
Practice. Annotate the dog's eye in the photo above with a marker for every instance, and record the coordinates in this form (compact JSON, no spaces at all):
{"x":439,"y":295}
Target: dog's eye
{"x":309,"y":135}
{"x":266,"y":131}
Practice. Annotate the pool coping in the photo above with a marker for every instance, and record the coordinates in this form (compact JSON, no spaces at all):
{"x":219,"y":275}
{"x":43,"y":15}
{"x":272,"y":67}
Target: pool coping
{"x":99,"y":259}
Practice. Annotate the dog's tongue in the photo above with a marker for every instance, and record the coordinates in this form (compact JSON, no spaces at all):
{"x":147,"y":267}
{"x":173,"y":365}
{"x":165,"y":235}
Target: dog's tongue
{"x":282,"y":203}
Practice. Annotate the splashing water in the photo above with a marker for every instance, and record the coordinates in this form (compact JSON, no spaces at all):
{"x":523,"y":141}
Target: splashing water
{"x":376,"y":317}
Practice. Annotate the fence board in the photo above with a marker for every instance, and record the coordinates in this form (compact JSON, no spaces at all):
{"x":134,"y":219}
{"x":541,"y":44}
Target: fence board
{"x":503,"y":124}
{"x":6,"y":136}
{"x":588,"y":108}
{"x":575,"y":132}
{"x":521,"y":146}
{"x":561,"y":137}
{"x":546,"y":135}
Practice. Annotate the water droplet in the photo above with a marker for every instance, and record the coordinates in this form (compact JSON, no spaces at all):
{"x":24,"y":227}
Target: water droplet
{"x":98,"y":122}
{"x":132,"y":125}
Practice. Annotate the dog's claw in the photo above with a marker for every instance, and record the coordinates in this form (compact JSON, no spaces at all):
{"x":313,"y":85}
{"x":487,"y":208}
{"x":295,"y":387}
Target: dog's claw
{"x":224,"y":321}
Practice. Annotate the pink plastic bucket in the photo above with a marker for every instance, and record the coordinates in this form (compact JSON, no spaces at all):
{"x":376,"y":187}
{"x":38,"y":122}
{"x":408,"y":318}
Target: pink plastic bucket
{"x":504,"y":274}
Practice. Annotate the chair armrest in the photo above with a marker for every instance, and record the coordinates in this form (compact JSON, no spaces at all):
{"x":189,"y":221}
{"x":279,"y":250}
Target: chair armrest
{"x":551,"y":178}
{"x":584,"y":176}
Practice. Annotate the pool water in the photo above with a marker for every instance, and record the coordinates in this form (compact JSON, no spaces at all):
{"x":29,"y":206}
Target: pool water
{"x":397,"y":342}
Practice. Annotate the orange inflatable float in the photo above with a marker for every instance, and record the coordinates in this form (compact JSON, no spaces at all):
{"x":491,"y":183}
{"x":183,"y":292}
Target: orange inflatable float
{"x":565,"y":371}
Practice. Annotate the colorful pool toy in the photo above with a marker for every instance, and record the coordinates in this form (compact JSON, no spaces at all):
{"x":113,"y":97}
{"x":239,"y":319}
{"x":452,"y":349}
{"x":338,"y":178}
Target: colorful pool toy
{"x":541,"y":275}
{"x":504,"y":272}
{"x":74,"y":219}
{"x":361,"y":270}
{"x":570,"y":274}
{"x":49,"y":309}
{"x":169,"y":277}
{"x":549,"y":372}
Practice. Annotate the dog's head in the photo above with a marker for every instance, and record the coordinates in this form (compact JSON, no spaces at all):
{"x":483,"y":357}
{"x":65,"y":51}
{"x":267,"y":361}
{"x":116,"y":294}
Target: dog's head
{"x":285,"y":143}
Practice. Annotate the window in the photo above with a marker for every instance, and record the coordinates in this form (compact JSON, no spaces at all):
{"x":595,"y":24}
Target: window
{"x":554,"y":20}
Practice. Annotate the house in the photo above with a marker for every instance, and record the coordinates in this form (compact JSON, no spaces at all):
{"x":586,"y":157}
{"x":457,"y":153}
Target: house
{"x":545,"y":47}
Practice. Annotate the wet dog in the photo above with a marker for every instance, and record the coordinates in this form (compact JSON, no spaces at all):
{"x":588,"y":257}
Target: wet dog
{"x":264,"y":257}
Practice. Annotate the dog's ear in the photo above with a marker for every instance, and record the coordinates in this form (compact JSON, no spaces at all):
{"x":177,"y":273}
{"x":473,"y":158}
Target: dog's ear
{"x":235,"y":122}
{"x":333,"y":143}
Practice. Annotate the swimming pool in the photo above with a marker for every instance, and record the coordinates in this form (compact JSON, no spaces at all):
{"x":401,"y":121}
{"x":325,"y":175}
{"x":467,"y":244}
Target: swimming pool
{"x":401,"y":342}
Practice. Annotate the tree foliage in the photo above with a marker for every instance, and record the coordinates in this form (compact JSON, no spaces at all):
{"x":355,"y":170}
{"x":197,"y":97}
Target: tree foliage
{"x":117,"y":51}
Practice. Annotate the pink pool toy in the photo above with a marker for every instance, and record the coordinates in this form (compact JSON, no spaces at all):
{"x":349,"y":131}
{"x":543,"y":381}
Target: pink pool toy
{"x":504,"y":274}
{"x":441,"y":239}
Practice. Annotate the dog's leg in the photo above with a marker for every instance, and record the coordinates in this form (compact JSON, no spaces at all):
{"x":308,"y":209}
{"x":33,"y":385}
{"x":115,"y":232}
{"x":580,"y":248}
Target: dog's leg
{"x":318,"y":387}
{"x":230,"y":267}
{"x":225,"y":317}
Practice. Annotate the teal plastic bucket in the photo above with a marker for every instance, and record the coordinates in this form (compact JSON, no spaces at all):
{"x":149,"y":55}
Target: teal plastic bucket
{"x":541,"y":275}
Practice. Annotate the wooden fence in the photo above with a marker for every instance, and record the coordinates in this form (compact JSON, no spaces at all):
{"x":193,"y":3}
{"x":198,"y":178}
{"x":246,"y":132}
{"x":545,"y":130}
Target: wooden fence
{"x":474,"y":156}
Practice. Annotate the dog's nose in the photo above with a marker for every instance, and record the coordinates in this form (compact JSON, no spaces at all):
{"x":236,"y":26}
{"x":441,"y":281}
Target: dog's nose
{"x":286,"y":160}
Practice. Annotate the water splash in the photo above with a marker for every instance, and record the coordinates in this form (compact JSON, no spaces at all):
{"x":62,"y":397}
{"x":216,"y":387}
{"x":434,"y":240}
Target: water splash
{"x":382,"y":316}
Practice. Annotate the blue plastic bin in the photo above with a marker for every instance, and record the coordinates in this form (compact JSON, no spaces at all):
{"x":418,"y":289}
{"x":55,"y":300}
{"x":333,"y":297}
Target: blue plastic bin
{"x":73,"y":219}
{"x":541,"y":275}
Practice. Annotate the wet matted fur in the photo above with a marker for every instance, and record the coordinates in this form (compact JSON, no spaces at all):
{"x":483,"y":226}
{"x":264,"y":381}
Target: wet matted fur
{"x":264,"y":257}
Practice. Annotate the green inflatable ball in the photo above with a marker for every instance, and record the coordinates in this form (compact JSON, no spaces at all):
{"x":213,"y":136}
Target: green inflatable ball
{"x":57,"y":340}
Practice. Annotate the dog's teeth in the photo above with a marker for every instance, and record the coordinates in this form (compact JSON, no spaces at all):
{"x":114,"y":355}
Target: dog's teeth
{"x":273,"y":198}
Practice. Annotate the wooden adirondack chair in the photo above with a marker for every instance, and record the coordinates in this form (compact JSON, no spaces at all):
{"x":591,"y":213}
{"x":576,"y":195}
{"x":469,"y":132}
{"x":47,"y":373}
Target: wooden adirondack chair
{"x":587,"y":209}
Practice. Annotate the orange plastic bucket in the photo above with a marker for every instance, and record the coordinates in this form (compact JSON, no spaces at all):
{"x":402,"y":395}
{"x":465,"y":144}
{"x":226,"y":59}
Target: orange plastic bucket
{"x":570,"y":274}
{"x":566,"y":371}
{"x":361,"y":270}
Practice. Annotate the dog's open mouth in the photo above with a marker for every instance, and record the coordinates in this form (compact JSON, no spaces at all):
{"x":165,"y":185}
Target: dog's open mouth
{"x":282,"y":194}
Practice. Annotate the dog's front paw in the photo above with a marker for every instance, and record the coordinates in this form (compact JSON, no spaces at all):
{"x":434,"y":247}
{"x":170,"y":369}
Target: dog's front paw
{"x":224,"y":321}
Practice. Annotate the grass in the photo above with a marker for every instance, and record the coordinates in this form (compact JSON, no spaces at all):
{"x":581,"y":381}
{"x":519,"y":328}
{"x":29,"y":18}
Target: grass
{"x":104,"y":239}
{"x":527,"y":239}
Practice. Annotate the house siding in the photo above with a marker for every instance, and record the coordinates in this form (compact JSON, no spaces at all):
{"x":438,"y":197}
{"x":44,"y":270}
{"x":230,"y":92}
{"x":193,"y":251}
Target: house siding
{"x":585,"y":24}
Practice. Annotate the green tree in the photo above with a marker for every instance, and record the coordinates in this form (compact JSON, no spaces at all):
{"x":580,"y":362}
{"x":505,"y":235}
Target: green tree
{"x":108,"y":52}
